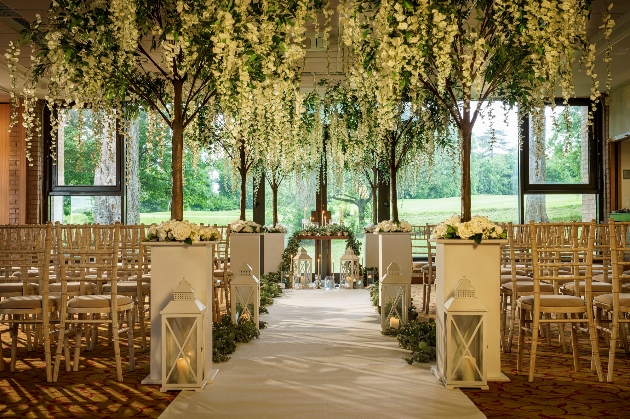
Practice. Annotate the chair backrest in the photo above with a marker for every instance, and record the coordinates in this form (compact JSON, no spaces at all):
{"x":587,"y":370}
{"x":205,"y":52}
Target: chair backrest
{"x":619,"y":254}
{"x":87,"y":253}
{"x":519,"y":248}
{"x":222,"y":248}
{"x":420,"y":244}
{"x":562,"y":252}
{"x":131,"y":254}
{"x":25,"y":254}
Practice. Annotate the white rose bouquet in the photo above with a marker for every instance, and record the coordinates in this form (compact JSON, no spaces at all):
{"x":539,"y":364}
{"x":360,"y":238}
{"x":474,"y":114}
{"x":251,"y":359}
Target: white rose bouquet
{"x":389,"y":226}
{"x":278,"y":228}
{"x":244,"y":226}
{"x":370,"y":228}
{"x":181,"y":231}
{"x":477,"y":229}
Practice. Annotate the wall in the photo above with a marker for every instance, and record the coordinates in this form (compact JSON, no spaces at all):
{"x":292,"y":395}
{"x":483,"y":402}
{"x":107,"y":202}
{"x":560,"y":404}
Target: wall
{"x":619,"y":123}
{"x":624,"y":163}
{"x":20,"y":180}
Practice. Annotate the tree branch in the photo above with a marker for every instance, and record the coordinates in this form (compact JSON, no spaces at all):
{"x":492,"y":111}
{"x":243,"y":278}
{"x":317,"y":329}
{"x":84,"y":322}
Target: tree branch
{"x":146,"y":54}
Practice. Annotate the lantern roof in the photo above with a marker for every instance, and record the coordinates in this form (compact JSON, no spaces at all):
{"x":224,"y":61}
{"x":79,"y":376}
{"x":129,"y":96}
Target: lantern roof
{"x":349,"y":256}
{"x":464,"y":299}
{"x":184,"y":301}
{"x":244,"y":276}
{"x":464,"y":289}
{"x":393,"y":275}
{"x":302,"y":255}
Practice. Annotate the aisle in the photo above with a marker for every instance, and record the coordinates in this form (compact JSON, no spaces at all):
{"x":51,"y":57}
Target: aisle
{"x":322,"y":356}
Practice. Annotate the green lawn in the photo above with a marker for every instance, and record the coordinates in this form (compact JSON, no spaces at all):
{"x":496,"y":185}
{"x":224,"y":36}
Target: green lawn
{"x":499,"y":208}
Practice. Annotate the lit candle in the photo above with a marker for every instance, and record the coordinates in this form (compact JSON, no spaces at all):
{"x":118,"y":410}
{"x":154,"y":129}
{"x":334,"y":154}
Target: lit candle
{"x":183,"y":372}
{"x":468,"y":368}
{"x":394,"y":323}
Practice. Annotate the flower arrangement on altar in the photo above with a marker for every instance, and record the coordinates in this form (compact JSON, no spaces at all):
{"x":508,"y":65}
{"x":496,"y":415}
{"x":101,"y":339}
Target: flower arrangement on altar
{"x":478,"y":228}
{"x":181,"y":231}
{"x":390,"y":226}
{"x":328,"y":230}
{"x":370,"y":228}
{"x":278,"y":228}
{"x":245,"y":226}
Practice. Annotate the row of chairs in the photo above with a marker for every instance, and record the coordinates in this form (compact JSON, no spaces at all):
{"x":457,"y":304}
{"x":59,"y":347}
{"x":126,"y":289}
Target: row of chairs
{"x":62,"y":276}
{"x":566,"y":274}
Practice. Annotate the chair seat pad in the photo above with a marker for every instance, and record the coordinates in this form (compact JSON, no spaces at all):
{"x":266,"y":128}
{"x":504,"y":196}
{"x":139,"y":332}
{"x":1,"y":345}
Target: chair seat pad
{"x":145,"y":277}
{"x":27,"y":302}
{"x":73,"y":286}
{"x":595,"y":286}
{"x":127,"y":286}
{"x":554,"y":301}
{"x":425,"y":267}
{"x":32,"y":273}
{"x":418,"y":265}
{"x":220,"y":273}
{"x":508,"y":278}
{"x":97,"y":301}
{"x":609,"y":279}
{"x":508,"y":271}
{"x":10,"y":287}
{"x":607,"y":299}
{"x":527,"y":286}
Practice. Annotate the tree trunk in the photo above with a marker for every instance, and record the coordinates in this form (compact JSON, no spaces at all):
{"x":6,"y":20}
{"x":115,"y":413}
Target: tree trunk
{"x":243,"y":171}
{"x":107,"y":209}
{"x":466,"y":133}
{"x":392,"y":181}
{"x":177,"y":197}
{"x":274,"y":202}
{"x":374,"y":187}
{"x":133,"y":179}
{"x":536,"y":205}
{"x":361,"y":203}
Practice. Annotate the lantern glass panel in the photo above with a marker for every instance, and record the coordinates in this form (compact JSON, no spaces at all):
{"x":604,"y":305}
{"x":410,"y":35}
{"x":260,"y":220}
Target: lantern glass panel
{"x":244,"y":302}
{"x":181,"y":350}
{"x":286,"y":279}
{"x":466,"y":333}
{"x":393,"y":297}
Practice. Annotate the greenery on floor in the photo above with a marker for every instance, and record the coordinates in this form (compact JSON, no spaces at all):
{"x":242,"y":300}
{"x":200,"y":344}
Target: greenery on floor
{"x":415,"y":336}
{"x":226,"y":334}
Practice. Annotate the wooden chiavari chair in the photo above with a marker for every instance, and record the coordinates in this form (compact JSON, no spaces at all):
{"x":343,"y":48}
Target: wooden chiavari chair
{"x":132,"y":280}
{"x":28,"y":248}
{"x":617,"y":303}
{"x":222,"y":271}
{"x":92,"y":249}
{"x":548,"y":251}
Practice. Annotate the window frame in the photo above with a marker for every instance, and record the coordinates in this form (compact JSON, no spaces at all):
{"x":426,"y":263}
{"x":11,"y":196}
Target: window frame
{"x":594,"y":185}
{"x":52,"y":188}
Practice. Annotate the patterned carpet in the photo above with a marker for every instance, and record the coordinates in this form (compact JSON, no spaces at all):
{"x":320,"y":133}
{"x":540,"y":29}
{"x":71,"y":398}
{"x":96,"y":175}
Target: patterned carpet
{"x":557,"y":391}
{"x":91,"y":392}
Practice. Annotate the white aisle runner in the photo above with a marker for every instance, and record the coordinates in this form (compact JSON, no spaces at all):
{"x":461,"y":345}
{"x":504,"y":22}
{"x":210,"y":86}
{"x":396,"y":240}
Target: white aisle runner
{"x":322,"y":356}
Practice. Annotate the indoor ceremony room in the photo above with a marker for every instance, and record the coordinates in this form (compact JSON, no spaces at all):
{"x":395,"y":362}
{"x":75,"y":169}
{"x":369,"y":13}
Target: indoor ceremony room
{"x":315,"y":209}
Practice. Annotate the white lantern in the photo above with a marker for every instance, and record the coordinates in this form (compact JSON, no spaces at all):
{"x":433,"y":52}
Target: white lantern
{"x":394,"y":302}
{"x":349,"y":270}
{"x":465,"y":320}
{"x":245,"y":295}
{"x":183,"y":326}
{"x":302,"y":270}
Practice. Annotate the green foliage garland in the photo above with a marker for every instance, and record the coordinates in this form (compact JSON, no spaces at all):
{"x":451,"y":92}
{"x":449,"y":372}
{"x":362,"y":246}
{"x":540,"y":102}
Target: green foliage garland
{"x":226,"y":334}
{"x":293,"y":245}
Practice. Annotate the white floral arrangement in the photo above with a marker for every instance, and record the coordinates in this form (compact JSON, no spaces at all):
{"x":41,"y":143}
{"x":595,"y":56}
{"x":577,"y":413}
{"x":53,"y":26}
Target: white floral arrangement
{"x":389,"y":226}
{"x":278,"y":228}
{"x":244,"y":226}
{"x":181,"y":231}
{"x":370,"y":228}
{"x":478,"y":228}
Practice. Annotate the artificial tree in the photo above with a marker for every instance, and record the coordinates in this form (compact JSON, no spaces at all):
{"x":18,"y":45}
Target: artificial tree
{"x":171,"y":57}
{"x":462,"y":55}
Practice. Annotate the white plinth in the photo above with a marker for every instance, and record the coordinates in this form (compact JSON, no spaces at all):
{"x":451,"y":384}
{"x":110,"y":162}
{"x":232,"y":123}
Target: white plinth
{"x":370,"y":250}
{"x":245,"y":247}
{"x":481,"y":264}
{"x":395,"y":247}
{"x":170,"y":262}
{"x":273,"y":245}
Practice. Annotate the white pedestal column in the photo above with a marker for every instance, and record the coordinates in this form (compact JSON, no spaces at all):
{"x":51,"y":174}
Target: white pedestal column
{"x":273,"y":245}
{"x":245,"y":247}
{"x":395,"y":247}
{"x":481,"y":264}
{"x":370,"y":250}
{"x":170,"y":262}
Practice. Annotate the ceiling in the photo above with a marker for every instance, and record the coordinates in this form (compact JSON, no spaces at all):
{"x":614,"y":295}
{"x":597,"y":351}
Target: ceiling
{"x":322,"y":64}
